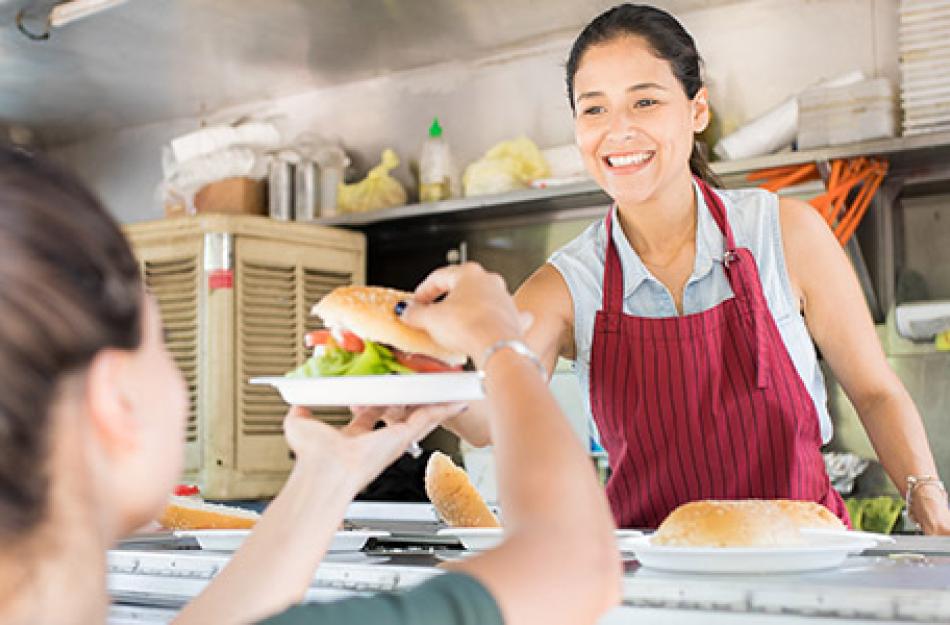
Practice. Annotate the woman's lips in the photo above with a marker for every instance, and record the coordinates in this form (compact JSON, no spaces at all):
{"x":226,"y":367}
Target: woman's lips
{"x":627,"y":162}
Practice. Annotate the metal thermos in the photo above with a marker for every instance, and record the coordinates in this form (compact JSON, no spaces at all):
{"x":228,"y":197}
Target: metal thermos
{"x":307,"y":193}
{"x":280,"y":190}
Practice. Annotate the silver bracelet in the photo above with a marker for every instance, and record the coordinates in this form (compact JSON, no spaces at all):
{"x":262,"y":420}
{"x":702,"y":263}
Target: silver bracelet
{"x":914,"y":482}
{"x":517,"y":347}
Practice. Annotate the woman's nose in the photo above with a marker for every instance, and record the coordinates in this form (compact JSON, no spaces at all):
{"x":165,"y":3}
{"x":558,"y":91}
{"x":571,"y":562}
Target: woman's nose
{"x":623,"y":125}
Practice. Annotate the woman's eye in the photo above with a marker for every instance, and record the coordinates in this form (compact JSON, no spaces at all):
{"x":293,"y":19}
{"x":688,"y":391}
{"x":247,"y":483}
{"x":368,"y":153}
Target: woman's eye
{"x":593,"y":110}
{"x":645,"y":103}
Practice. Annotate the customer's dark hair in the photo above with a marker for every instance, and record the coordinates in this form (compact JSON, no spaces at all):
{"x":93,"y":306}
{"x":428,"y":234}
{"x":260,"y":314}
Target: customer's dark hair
{"x":69,"y":287}
{"x":668,"y":40}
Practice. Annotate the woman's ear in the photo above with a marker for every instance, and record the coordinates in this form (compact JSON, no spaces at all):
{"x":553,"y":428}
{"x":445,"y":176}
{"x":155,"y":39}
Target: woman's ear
{"x":700,"y":107}
{"x":108,"y":403}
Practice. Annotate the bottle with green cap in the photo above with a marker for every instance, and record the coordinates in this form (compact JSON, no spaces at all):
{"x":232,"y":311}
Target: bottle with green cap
{"x":438,"y":178}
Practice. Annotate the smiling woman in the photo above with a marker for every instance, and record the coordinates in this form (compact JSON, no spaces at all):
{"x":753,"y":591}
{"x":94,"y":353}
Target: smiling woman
{"x":674,"y":71}
{"x":692,"y":312}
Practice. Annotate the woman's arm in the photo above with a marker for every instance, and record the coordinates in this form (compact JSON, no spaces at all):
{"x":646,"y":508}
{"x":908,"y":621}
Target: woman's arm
{"x":559,"y":562}
{"x":546,"y":298}
{"x":275,"y":565}
{"x":839,"y":321}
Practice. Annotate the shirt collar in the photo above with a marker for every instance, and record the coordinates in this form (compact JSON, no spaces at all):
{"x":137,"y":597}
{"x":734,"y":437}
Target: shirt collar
{"x":710,"y":246}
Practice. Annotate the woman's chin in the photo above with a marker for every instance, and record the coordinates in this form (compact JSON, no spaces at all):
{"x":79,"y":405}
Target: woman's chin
{"x":630,"y":194}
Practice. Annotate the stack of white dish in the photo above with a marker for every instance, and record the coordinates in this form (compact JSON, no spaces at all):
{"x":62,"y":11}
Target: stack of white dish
{"x":846,"y":114}
{"x":924,"y":43}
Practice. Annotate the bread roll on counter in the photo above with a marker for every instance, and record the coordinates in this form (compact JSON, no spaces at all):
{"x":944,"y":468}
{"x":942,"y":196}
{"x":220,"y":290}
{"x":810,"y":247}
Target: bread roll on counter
{"x":190,"y":513}
{"x":808,"y":514}
{"x":453,"y":495}
{"x":743,"y":523}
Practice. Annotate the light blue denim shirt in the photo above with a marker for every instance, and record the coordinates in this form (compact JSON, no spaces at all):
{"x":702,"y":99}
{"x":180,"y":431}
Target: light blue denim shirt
{"x":753,"y":215}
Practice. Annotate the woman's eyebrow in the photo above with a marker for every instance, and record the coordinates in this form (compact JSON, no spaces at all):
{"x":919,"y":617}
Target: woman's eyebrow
{"x":643,"y":86}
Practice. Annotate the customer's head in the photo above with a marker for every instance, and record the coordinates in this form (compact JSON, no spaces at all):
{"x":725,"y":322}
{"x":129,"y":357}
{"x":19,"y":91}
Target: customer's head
{"x":89,"y":396}
{"x":635,"y":85}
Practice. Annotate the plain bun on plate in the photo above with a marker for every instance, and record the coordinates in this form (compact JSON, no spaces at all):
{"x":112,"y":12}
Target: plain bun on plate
{"x":808,"y":514}
{"x":368,"y":312}
{"x":742,"y":523}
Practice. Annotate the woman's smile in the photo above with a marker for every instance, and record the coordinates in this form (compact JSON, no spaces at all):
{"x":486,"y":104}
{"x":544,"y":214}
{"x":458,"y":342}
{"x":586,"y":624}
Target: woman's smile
{"x":625,"y":163}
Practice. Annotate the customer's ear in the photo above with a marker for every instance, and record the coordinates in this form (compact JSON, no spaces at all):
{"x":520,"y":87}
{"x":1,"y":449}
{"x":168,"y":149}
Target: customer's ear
{"x":108,"y":403}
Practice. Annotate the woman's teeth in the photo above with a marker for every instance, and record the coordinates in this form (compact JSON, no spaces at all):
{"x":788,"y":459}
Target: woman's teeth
{"x":628,"y":159}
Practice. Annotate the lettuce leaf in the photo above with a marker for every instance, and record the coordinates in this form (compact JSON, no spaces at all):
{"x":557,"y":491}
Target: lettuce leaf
{"x":373,"y":360}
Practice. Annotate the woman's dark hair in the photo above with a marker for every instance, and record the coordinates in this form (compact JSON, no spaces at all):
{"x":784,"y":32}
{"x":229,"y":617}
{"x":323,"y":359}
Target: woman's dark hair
{"x":69,"y":287}
{"x":668,"y":40}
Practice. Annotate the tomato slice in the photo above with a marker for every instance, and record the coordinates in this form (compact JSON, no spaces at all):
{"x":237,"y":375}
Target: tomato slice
{"x":423,"y":364}
{"x":316,"y":337}
{"x":186,"y":490}
{"x":351,"y":342}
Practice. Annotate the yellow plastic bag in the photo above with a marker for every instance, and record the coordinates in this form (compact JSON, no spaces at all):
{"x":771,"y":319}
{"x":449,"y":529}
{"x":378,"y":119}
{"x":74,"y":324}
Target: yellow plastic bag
{"x":377,"y":190}
{"x":507,"y":166}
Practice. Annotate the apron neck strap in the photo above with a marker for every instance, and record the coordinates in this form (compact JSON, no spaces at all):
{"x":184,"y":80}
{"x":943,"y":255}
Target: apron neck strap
{"x":718,"y":210}
{"x":613,"y":270}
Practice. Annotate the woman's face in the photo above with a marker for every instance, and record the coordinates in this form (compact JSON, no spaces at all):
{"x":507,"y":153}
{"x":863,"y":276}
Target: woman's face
{"x":633,"y":122}
{"x":159,"y":404}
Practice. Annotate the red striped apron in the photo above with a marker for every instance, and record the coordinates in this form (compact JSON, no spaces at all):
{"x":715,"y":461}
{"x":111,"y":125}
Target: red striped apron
{"x":702,"y":406}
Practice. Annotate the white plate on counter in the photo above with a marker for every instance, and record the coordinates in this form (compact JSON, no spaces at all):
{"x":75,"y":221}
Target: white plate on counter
{"x":230,"y":540}
{"x":482,"y":538}
{"x":820,"y":551}
{"x":378,"y":390}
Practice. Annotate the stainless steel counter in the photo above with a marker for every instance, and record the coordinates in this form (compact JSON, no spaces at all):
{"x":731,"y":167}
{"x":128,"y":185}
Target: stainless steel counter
{"x":908,"y":582}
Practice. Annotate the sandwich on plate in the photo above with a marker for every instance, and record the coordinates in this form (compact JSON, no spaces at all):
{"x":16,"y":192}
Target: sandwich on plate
{"x":364,"y":336}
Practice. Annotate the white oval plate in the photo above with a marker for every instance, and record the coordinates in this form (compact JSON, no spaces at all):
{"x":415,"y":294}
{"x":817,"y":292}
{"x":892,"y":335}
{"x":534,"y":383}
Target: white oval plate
{"x":483,"y":538}
{"x":377,"y":390}
{"x":230,"y":540}
{"x":819,"y":552}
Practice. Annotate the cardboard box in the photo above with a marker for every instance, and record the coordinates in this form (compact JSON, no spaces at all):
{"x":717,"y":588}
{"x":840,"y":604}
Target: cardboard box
{"x":234,"y":196}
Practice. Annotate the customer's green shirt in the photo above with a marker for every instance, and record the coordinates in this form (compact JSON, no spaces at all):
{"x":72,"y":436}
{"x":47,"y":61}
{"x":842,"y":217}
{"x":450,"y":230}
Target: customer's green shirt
{"x":447,"y":599}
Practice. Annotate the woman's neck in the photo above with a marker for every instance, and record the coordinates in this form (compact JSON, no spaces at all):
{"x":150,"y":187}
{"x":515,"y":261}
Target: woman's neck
{"x":58,"y":573}
{"x":661,"y":227}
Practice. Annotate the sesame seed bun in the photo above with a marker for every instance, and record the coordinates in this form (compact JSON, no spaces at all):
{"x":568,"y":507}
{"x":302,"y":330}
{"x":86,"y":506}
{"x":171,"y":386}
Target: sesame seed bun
{"x":367,"y":311}
{"x":742,"y":523}
{"x":808,"y":514}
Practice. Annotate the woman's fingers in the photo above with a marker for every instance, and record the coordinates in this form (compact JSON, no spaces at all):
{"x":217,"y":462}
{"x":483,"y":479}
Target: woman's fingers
{"x":526,"y":319}
{"x":437,"y":283}
{"x":425,"y":419}
{"x":364,"y":419}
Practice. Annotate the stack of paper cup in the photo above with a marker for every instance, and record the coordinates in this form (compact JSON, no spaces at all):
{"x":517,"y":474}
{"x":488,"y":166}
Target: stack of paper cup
{"x":773,"y":130}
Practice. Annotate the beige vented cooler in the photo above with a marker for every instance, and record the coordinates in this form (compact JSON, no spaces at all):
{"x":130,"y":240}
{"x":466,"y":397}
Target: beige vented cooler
{"x":235,"y":294}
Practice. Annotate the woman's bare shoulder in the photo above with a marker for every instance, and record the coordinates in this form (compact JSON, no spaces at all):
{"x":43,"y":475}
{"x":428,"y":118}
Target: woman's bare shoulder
{"x":546,"y":296}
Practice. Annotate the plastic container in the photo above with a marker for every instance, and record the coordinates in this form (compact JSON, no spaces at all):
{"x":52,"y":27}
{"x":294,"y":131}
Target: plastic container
{"x":438,"y":177}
